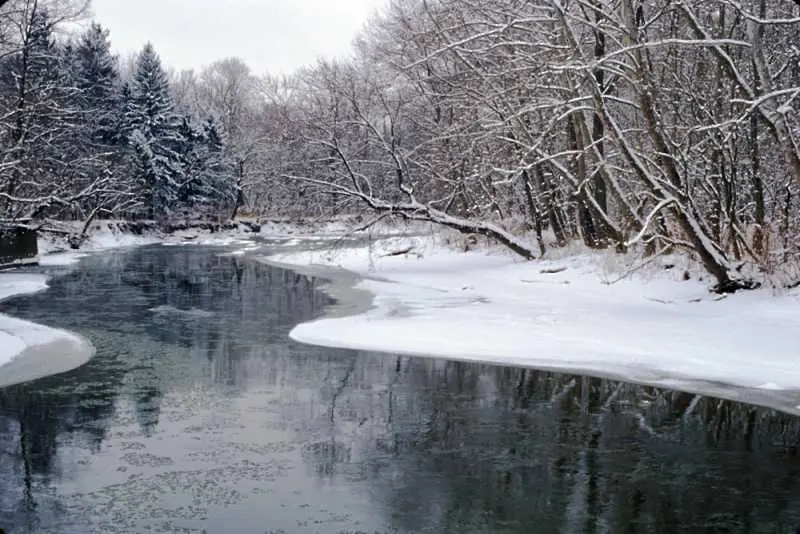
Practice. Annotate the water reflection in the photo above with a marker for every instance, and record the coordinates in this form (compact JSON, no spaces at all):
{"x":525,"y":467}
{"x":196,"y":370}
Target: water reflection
{"x":198,"y":414}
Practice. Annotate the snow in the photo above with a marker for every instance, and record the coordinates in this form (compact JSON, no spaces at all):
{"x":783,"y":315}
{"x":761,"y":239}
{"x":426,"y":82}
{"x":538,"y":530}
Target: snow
{"x":60,"y":259}
{"x":109,"y":238}
{"x":220,"y":239}
{"x":53,"y":254}
{"x":17,"y":335}
{"x":19,"y":284}
{"x":561,"y":314}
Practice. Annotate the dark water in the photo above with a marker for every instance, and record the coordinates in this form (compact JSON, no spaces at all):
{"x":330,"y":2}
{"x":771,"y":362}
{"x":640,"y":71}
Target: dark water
{"x":199,"y":415}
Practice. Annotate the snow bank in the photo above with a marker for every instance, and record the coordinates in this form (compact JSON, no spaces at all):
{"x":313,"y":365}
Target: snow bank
{"x":20,"y":284}
{"x":18,"y":336}
{"x":52,"y":250}
{"x":560,"y":315}
{"x":108,"y":237}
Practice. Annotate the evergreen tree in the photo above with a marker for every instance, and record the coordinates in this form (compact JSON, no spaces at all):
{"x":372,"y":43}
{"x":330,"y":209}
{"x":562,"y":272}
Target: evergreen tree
{"x":34,"y":75}
{"x":98,"y":83}
{"x":217,"y":164}
{"x":207,"y":179}
{"x":155,"y":135}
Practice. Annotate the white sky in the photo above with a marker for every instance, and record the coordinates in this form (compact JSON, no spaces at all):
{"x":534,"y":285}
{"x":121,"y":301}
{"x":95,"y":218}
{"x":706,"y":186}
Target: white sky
{"x":275,"y":36}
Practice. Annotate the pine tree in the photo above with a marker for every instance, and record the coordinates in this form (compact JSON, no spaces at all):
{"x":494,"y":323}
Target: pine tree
{"x":155,"y":135}
{"x":35,"y":72}
{"x":97,"y":80}
{"x":217,"y":165}
{"x":207,"y":180}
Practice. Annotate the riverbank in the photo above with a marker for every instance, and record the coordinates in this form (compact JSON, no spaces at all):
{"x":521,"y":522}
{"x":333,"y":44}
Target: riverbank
{"x":582,"y":313}
{"x":29,"y":350}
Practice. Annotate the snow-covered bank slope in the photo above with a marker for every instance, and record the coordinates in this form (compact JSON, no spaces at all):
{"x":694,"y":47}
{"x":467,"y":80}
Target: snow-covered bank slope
{"x":13,"y":339}
{"x":54,"y":250}
{"x":475,"y":306}
{"x":18,"y":336}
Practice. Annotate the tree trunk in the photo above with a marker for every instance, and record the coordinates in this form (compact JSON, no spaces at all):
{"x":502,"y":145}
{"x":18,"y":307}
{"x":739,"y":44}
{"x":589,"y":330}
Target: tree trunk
{"x":535,"y":212}
{"x":599,"y":187}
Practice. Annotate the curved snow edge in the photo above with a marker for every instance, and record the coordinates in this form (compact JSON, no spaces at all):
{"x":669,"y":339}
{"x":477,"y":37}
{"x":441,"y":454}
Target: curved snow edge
{"x":62,"y":351}
{"x":658,"y":331}
{"x":30,"y":350}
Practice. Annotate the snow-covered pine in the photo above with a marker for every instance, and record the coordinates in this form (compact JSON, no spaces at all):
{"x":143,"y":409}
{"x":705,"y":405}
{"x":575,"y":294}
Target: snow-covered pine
{"x":39,"y":122}
{"x":98,"y":82}
{"x":155,"y":136}
{"x":208,"y":184}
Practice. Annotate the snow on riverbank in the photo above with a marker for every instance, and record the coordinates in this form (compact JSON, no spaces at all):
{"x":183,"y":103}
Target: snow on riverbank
{"x":53,"y":251}
{"x":16,"y":335}
{"x":560,"y":315}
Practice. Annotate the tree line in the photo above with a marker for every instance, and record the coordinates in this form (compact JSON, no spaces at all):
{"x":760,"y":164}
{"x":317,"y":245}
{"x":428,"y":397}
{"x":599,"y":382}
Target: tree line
{"x":653,"y":125}
{"x":646,"y":125}
{"x":79,"y":138}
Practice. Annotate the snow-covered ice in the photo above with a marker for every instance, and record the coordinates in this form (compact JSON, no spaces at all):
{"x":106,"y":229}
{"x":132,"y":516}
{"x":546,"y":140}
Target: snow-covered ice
{"x":14,"y":336}
{"x":651,"y":328}
{"x":19,"y":284}
{"x":17,"y":335}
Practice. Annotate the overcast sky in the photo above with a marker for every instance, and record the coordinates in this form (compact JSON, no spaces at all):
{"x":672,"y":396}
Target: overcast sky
{"x":275,"y":36}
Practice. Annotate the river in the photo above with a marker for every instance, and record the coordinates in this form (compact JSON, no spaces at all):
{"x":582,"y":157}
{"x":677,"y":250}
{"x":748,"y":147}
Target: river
{"x":198,"y":414}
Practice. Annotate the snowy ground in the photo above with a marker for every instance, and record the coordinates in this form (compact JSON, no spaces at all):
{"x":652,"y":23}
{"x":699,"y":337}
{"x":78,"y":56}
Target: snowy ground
{"x":54,"y":252}
{"x":651,"y":327}
{"x":18,"y":336}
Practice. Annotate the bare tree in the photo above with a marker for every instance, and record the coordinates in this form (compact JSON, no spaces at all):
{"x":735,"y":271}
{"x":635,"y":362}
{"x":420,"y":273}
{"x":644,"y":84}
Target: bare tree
{"x":642,"y":125}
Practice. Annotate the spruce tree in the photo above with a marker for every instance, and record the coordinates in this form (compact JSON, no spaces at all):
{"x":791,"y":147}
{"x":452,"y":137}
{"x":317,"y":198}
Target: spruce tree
{"x":217,"y":164}
{"x":97,"y":80}
{"x":204,"y":163}
{"x":155,"y":136}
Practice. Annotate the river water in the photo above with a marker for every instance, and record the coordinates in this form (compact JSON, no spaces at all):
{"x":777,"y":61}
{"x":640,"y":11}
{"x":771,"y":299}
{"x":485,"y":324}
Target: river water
{"x":198,"y":414}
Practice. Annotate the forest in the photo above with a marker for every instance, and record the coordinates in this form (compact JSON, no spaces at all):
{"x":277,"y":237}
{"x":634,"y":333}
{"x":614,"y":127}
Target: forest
{"x":647,"y":126}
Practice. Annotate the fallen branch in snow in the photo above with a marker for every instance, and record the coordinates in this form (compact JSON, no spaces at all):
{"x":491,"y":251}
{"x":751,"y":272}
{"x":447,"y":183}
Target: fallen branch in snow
{"x":635,"y":268}
{"x":554,"y":270}
{"x":399,"y":252}
{"x":413,"y":210}
{"x":372,"y":222}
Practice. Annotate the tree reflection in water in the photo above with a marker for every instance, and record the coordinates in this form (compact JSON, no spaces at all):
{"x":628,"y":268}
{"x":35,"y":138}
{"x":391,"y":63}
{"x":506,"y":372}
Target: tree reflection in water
{"x":430,"y":445}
